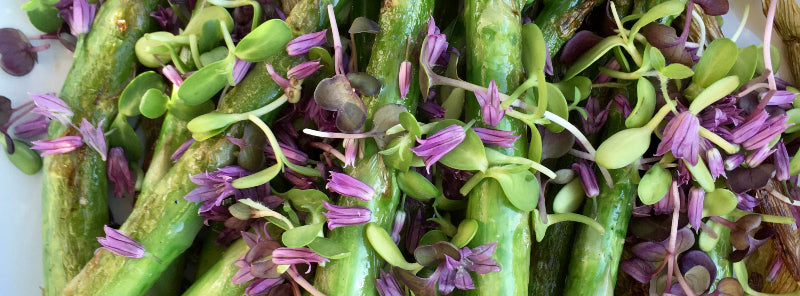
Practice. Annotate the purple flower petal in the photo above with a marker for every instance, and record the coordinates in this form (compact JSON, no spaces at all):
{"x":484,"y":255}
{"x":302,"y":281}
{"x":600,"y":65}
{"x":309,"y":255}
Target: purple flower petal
{"x":94,"y":137}
{"x":588,"y":178}
{"x":120,"y":244}
{"x":339,"y":216}
{"x":733,"y":161}
{"x":757,"y":157}
{"x":262,"y":286}
{"x":771,"y":129}
{"x":387,"y":285}
{"x":304,"y":69}
{"x":52,"y":107}
{"x":781,"y":162}
{"x":500,"y":138}
{"x":780,"y":97}
{"x":181,"y":149}
{"x":301,"y":45}
{"x":682,"y":138}
{"x":431,"y":109}
{"x":715,"y":164}
{"x":240,"y":68}
{"x":695,"y":207}
{"x":490,"y":104}
{"x":58,"y":145}
{"x":436,"y":146}
{"x":348,"y":186}
{"x":282,"y":82}
{"x":32,"y":128}
{"x":595,"y":117}
{"x":172,"y":75}
{"x":289,"y":256}
{"x":79,"y":16}
{"x":404,"y":78}
{"x":119,"y":174}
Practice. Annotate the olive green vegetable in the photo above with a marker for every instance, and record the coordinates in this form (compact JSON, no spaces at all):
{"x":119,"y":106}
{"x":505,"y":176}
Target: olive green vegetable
{"x":217,"y":280}
{"x":74,"y":193}
{"x":596,"y":256}
{"x":559,"y":20}
{"x":163,"y":221}
{"x":356,"y":274}
{"x":493,"y":32}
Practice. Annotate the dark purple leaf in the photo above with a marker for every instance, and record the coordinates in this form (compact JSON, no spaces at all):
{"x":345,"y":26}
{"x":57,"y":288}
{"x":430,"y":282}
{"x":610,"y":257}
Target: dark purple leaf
{"x":713,"y":7}
{"x":5,"y":110}
{"x":697,"y":258}
{"x":9,"y":144}
{"x":336,"y":94}
{"x":579,"y":44}
{"x":654,"y":228}
{"x":741,"y":179}
{"x":17,"y":58}
{"x":420,"y":286}
{"x":555,"y":145}
{"x":650,"y":251}
{"x":667,"y":41}
{"x":729,"y":287}
{"x":638,"y":269}
{"x":748,"y":236}
{"x":428,"y":255}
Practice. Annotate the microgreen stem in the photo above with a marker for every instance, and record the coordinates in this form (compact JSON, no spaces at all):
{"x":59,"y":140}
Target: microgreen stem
{"x":269,"y":107}
{"x":768,"y":44}
{"x":471,"y":183}
{"x":300,"y":280}
{"x":764,"y":217}
{"x":329,"y":149}
{"x":195,"y":51}
{"x":337,"y":42}
{"x":256,"y":14}
{"x":752,"y":88}
{"x":784,"y":198}
{"x":561,"y":217}
{"x":227,"y":37}
{"x":742,"y":23}
{"x":618,"y":23}
{"x":273,"y":142}
{"x":530,"y":82}
{"x":329,"y":135}
{"x":673,"y":233}
{"x":719,"y":141}
{"x":686,"y":288}
{"x":580,"y":154}
{"x":657,"y":118}
{"x":702,"y":40}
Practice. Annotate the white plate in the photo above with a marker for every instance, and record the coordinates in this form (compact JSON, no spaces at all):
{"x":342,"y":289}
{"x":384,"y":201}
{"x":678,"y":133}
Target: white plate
{"x":20,"y":215}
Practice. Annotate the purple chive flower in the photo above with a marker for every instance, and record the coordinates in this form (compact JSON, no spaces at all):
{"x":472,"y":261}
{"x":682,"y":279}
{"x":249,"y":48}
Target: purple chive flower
{"x":118,"y":243}
{"x":733,"y":161}
{"x":622,"y":104}
{"x":781,"y":162}
{"x":774,"y":268}
{"x":387,"y":285}
{"x":435,"y":45}
{"x":682,"y":138}
{"x":397,"y":226}
{"x":79,"y":16}
{"x":588,"y":178}
{"x":431,"y":109}
{"x":771,"y":129}
{"x":262,"y":286}
{"x":454,"y":273}
{"x":172,"y":75}
{"x":667,"y":204}
{"x":181,"y":149}
{"x":695,"y":207}
{"x":52,"y":107}
{"x":240,"y":68}
{"x":32,"y":128}
{"x":748,"y":129}
{"x":746,"y":202}
{"x":290,"y":256}
{"x":58,"y":145}
{"x":94,"y":137}
{"x":350,"y":151}
{"x":282,"y":82}
{"x":301,"y":45}
{"x":119,"y":174}
{"x":215,"y":186}
{"x":346,"y":185}
{"x":500,"y":138}
{"x":166,"y":18}
{"x":715,"y":164}
{"x":304,"y":69}
{"x":595,"y":117}
{"x":404,"y":78}
{"x":779,"y":97}
{"x":339,"y":216}
{"x":490,"y":104}
{"x":436,"y":146}
{"x":755,"y":158}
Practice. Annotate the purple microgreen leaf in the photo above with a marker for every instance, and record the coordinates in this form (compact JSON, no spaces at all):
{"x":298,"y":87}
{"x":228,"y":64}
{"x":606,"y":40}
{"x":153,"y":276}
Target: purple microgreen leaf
{"x":336,"y":94}
{"x":713,"y":7}
{"x":365,"y":84}
{"x":638,"y":269}
{"x":428,"y":255}
{"x":420,"y":286}
{"x":5,"y":110}
{"x":695,"y":258}
{"x":16,"y":56}
{"x":741,"y":180}
{"x":654,"y":228}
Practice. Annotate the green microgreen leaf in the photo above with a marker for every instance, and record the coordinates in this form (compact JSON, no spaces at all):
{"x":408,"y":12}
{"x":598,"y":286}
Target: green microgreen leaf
{"x":328,"y":248}
{"x":301,"y":236}
{"x":521,"y":187}
{"x":25,"y":159}
{"x":465,"y":233}
{"x":656,"y":12}
{"x":151,"y":49}
{"x":719,"y":202}
{"x":124,"y":136}
{"x":745,"y":65}
{"x":211,"y":124}
{"x":592,"y":55}
{"x":131,"y":96}
{"x":654,"y":184}
{"x":43,"y":14}
{"x":259,"y":178}
{"x":206,"y":82}
{"x":410,"y":123}
{"x":467,"y":156}
{"x":416,"y":185}
{"x":382,"y":243}
{"x":398,"y":153}
{"x":432,"y":237}
{"x":200,"y":17}
{"x":265,"y":41}
{"x":677,"y":71}
{"x":716,"y":62}
{"x":533,"y":48}
{"x":701,"y":175}
{"x":623,"y":148}
{"x":645,"y":104}
{"x":154,"y":103}
{"x":304,"y":199}
{"x":569,"y":198}
{"x":656,"y":58}
{"x":713,"y":93}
